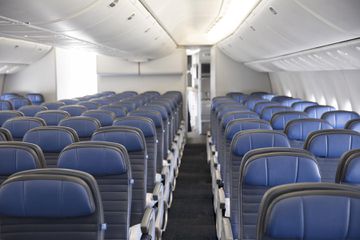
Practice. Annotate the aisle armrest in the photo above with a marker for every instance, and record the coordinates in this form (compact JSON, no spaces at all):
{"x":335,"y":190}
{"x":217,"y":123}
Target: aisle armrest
{"x":148,"y":221}
{"x":226,"y":230}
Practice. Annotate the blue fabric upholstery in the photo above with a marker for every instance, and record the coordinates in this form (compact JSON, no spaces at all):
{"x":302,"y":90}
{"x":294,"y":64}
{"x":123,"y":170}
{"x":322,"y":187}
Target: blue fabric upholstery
{"x":35,"y":98}
{"x":339,"y":118}
{"x":280,"y":99}
{"x":69,"y":101}
{"x":125,"y":136}
{"x":268,"y":112}
{"x":53,"y":105}
{"x":146,"y":125}
{"x":5,"y":105}
{"x":73,"y":110}
{"x":96,"y":158}
{"x":89,"y":105}
{"x":301,"y":106}
{"x":237,"y":125}
{"x":45,"y":199}
{"x":52,"y":117}
{"x":349,"y":168}
{"x":228,"y":117}
{"x":230,"y":108}
{"x":290,"y":101}
{"x":20,"y":125}
{"x":84,"y":126}
{"x":264,"y":168}
{"x":299,"y":129}
{"x":353,"y":124}
{"x":318,"y":110}
{"x":251,"y":103}
{"x":310,"y":211}
{"x":259,"y":107}
{"x":31,"y":110}
{"x":5,"y":135}
{"x":5,"y":115}
{"x":280,"y":119}
{"x":154,"y":115}
{"x":118,"y":111}
{"x":328,"y":146}
{"x":8,"y":96}
{"x":19,"y":102}
{"x":105,"y":117}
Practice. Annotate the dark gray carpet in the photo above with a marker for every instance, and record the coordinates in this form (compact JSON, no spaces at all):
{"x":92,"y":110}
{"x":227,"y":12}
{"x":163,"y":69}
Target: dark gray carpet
{"x":191,"y":215}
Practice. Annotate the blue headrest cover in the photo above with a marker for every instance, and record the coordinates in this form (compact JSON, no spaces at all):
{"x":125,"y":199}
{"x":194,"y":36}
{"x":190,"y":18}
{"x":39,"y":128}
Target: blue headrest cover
{"x":130,"y":140}
{"x":104,"y":116}
{"x":251,"y":139}
{"x":332,"y":145}
{"x":279,"y":120}
{"x":252,"y":102}
{"x":157,"y":119}
{"x":224,"y":111}
{"x":300,"y":106}
{"x":53,"y":105}
{"x":338,"y":119}
{"x":119,"y":111}
{"x":49,"y":140}
{"x":18,"y":126}
{"x":261,"y":105}
{"x":46,"y":199}
{"x":315,"y":216}
{"x":98,"y":161}
{"x":268,"y":112}
{"x":273,"y":170}
{"x":352,"y":176}
{"x":5,"y":105}
{"x":318,"y":110}
{"x":237,"y":115}
{"x":289,"y":102}
{"x":83,"y":126}
{"x":146,"y":127}
{"x":301,"y":128}
{"x":237,"y":126}
{"x":354,"y":125}
{"x":163,"y":111}
{"x":15,"y":160}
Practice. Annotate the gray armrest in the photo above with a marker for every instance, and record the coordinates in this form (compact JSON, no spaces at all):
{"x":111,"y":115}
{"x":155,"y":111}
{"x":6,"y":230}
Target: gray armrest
{"x":164,"y":173}
{"x":218,"y":178}
{"x":158,"y":191}
{"x":226,"y":230}
{"x":148,"y":221}
{"x":221,"y":198}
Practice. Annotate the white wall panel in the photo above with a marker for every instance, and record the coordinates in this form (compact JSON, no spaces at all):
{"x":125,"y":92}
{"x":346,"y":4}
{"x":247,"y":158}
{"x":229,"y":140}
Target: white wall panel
{"x":39,"y":77}
{"x":337,"y":88}
{"x":228,"y":75}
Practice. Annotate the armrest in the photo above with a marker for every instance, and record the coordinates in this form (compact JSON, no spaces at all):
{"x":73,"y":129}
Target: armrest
{"x":164,"y":174}
{"x":218,"y":178}
{"x":226,"y":230}
{"x":147,"y":221}
{"x":222,"y":199}
{"x":158,"y":192}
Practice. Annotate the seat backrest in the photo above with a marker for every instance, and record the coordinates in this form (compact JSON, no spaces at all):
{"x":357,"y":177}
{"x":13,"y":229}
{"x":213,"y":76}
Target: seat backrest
{"x":109,"y":164}
{"x":57,"y":204}
{"x":242,"y":143}
{"x":289,"y":101}
{"x":53,"y":105}
{"x":133,"y":140}
{"x":20,"y":125}
{"x":302,"y":105}
{"x":147,"y":126}
{"x":9,"y":95}
{"x":52,"y":140}
{"x":19,"y":156}
{"x":251,"y":102}
{"x":69,"y":101}
{"x":318,"y":110}
{"x":349,"y":168}
{"x":269,"y":111}
{"x":309,"y":211}
{"x":280,"y":98}
{"x":19,"y":102}
{"x":7,"y":114}
{"x":259,"y":107}
{"x":339,"y":118}
{"x":31,"y":110}
{"x":280,"y":119}
{"x":89,"y":105}
{"x":105,"y":117}
{"x":117,"y":110}
{"x":52,"y":117}
{"x":262,"y":169}
{"x":73,"y":110}
{"x":5,"y":135}
{"x":328,"y":146}
{"x":84,"y":126}
{"x":5,"y":105}
{"x":35,"y":98}
{"x":353,"y":124}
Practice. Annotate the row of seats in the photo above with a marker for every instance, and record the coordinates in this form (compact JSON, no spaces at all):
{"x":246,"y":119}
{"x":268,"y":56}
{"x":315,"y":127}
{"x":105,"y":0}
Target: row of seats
{"x":132,"y":171}
{"x":259,"y":147}
{"x":10,"y":101}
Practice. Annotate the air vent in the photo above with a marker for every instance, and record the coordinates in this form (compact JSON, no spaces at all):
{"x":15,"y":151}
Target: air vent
{"x":273,"y":11}
{"x":131,"y":16}
{"x":252,"y":28}
{"x":113,"y":4}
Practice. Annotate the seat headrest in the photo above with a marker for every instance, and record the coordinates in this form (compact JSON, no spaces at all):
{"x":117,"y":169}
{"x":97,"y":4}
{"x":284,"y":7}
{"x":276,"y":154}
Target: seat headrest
{"x":238,"y":125}
{"x":309,"y":211}
{"x":146,"y":125}
{"x":84,"y":126}
{"x":269,"y":111}
{"x":20,"y":125}
{"x":247,"y":140}
{"x":228,"y":117}
{"x":96,"y":158}
{"x":251,"y":103}
{"x":259,"y":107}
{"x":280,"y":119}
{"x":332,"y":143}
{"x":89,"y":105}
{"x":299,"y":129}
{"x":353,"y":124}
{"x":289,"y":102}
{"x":224,"y":110}
{"x":280,"y":98}
{"x":52,"y":117}
{"x":131,"y":138}
{"x":51,"y":139}
{"x":155,"y":116}
{"x":105,"y":117}
{"x":35,"y":98}
{"x":117,"y":110}
{"x":19,"y":102}
{"x":5,"y":135}
{"x":318,"y":110}
{"x":349,"y":168}
{"x":278,"y":167}
{"x":53,"y":105}
{"x":5,"y":105}
{"x":74,"y":110}
{"x":45,"y":197}
{"x":216,"y":102}
{"x":31,"y":110}
{"x":339,"y":118}
{"x":19,"y":156}
{"x":69,"y":101}
{"x":301,"y":106}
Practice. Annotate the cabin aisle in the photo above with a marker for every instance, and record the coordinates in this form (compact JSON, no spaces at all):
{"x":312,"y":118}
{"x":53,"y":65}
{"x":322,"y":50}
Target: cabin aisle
{"x":191,"y":215}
